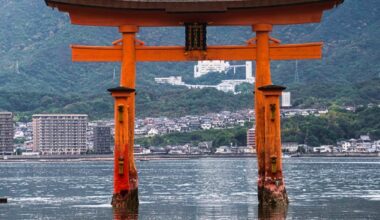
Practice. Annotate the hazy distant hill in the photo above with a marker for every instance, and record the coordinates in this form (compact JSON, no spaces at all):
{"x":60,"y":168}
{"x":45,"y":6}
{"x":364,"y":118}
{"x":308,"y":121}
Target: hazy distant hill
{"x":37,"y":73}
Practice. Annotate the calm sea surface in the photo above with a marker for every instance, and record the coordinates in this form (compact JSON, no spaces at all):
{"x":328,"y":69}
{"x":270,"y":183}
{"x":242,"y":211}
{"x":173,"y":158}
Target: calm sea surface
{"x":336,"y":188}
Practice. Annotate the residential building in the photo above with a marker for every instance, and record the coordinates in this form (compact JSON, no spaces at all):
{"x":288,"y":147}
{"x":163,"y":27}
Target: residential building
{"x":153,"y":132}
{"x":344,"y":145}
{"x":102,"y":139}
{"x":223,"y":150}
{"x":323,"y":149}
{"x":6,"y":133}
{"x":290,"y":147}
{"x":245,"y":150}
{"x":206,"y":126}
{"x":251,"y":136}
{"x":205,"y":147}
{"x":59,"y":134}
{"x":138,"y":150}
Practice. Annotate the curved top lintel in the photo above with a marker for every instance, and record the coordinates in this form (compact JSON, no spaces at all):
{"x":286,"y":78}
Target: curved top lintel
{"x":94,"y":13}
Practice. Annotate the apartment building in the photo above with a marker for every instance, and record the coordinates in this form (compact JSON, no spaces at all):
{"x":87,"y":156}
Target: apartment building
{"x":251,"y":136}
{"x":102,"y":139}
{"x":60,"y":134}
{"x":6,"y":132}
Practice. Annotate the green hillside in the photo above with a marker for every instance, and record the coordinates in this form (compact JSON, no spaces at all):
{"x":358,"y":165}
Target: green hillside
{"x":37,"y":74}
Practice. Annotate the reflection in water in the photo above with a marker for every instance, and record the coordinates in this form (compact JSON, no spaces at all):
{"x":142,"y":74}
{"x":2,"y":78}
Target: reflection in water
{"x":125,"y":214}
{"x":270,"y":212}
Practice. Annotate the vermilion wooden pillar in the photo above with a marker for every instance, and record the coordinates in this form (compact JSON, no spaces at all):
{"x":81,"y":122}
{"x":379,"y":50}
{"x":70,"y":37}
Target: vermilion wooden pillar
{"x":263,"y":77}
{"x":125,"y":172}
{"x":125,"y":193}
{"x":128,"y":79}
{"x":274,"y":192}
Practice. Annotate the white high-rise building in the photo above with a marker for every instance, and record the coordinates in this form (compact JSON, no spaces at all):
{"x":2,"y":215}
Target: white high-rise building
{"x":285,"y":99}
{"x":60,"y":134}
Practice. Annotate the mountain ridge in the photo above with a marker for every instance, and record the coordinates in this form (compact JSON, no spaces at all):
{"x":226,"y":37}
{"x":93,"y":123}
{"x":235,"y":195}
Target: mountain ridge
{"x":35,"y":59}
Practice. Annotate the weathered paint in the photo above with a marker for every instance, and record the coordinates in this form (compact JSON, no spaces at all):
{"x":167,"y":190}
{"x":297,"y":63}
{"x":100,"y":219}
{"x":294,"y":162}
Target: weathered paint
{"x":263,"y":77}
{"x":128,"y":79}
{"x":121,"y":148}
{"x":273,"y":191}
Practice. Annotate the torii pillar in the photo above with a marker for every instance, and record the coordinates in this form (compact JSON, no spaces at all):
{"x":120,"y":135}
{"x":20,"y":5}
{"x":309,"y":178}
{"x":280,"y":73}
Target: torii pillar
{"x":268,"y":131}
{"x":125,"y":193}
{"x":263,"y":77}
{"x":273,"y":192}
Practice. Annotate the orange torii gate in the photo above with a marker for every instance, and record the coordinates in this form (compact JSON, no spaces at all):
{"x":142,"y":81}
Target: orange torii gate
{"x":195,"y":15}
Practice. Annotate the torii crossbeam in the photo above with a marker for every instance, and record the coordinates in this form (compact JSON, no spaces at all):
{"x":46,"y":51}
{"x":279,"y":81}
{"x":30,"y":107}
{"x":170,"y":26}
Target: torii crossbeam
{"x":144,"y":53}
{"x":129,"y":15}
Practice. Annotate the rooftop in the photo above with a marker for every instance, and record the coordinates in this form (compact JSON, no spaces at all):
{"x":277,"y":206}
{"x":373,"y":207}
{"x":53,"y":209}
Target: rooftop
{"x":177,"y":12}
{"x":187,"y":5}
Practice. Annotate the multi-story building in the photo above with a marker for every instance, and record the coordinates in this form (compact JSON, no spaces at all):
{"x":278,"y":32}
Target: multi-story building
{"x":6,"y":132}
{"x":285,"y":100}
{"x":251,"y":136}
{"x":172,"y":80}
{"x":102,"y":139}
{"x":207,"y":66}
{"x":59,"y":134}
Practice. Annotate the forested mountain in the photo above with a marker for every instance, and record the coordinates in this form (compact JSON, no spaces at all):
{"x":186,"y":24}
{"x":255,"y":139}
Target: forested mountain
{"x":37,"y":75}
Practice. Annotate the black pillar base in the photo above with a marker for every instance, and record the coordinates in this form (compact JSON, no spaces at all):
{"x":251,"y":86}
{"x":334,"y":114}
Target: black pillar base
{"x":260,"y":189}
{"x":122,"y":214}
{"x":269,"y":212}
{"x":126,"y":200}
{"x":273,"y":195}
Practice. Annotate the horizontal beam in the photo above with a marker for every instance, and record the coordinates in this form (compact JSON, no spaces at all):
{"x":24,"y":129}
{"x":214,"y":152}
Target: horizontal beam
{"x":178,"y":53}
{"x":152,"y":54}
{"x":305,"y":51}
{"x":96,"y":53}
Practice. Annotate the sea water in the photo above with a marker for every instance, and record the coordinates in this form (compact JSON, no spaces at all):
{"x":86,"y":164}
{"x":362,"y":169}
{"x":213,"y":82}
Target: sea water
{"x":210,"y":188}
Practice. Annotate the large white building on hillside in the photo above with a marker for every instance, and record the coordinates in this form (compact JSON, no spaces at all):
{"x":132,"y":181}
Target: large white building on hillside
{"x":172,"y":80}
{"x":221,"y":66}
{"x":209,"y":66}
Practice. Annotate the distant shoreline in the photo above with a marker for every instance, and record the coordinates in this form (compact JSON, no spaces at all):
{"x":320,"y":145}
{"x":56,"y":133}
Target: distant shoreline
{"x":109,"y":157}
{"x":351,"y":154}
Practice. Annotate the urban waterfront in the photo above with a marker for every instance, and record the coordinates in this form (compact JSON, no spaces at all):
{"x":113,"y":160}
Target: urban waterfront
{"x":209,"y":188}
